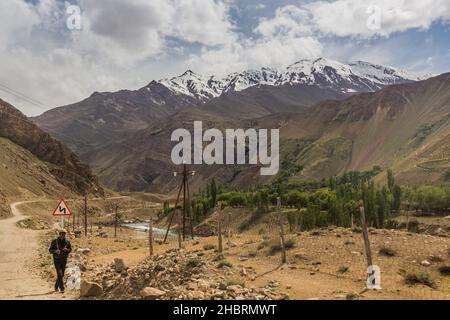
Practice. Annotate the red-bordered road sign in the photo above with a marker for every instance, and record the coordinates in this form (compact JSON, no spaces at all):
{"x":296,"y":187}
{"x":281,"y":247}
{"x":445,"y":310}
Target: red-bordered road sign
{"x":62,"y":209}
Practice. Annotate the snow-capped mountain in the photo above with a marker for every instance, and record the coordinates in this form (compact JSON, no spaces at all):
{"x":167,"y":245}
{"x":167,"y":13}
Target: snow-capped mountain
{"x":357,"y":76}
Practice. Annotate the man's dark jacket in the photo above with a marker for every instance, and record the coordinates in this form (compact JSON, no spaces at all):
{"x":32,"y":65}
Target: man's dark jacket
{"x":60,"y":244}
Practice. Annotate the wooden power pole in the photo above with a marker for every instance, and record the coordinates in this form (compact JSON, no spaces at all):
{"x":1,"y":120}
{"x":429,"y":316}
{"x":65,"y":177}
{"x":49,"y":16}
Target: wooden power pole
{"x":187,"y":214}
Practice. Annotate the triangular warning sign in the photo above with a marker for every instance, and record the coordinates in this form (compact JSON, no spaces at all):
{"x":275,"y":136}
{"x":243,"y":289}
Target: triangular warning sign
{"x":62,"y":209}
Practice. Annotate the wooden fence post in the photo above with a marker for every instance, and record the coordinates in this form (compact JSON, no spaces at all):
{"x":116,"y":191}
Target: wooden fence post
{"x":219,"y":230}
{"x":179,"y":227}
{"x":365,"y":236}
{"x":280,"y":224}
{"x":150,"y":236}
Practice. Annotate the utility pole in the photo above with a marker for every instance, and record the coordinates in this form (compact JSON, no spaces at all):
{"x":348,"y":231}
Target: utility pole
{"x":365,"y":236}
{"x":184,"y":186}
{"x":150,"y":236}
{"x":280,"y":224}
{"x":85,"y":214}
{"x":219,"y":229}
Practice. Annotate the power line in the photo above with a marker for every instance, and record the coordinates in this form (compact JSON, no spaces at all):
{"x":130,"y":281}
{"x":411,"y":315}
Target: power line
{"x":24,"y":97}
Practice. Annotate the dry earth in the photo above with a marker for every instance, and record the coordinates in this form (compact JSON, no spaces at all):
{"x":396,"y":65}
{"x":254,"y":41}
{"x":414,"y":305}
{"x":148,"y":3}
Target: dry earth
{"x":325,"y":264}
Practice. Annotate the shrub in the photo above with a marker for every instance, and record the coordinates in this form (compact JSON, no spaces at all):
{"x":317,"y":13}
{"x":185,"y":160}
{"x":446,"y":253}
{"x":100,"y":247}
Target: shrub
{"x":391,"y":224}
{"x":420,"y":278}
{"x":209,"y":247}
{"x":444,"y":270}
{"x":234,"y":282}
{"x":219,"y":257}
{"x":413,"y":225}
{"x":435,"y":258}
{"x":343,"y":269}
{"x":224,"y":263}
{"x":194,"y":262}
{"x":387,"y":252}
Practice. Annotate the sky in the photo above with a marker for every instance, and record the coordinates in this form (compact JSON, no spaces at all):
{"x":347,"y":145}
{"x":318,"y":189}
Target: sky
{"x":55,"y":52}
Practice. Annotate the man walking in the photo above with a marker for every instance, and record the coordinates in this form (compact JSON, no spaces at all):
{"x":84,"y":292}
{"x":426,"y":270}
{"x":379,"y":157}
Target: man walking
{"x":60,"y":248}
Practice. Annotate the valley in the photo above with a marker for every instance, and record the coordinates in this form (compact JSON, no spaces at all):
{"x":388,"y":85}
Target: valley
{"x":353,"y":138}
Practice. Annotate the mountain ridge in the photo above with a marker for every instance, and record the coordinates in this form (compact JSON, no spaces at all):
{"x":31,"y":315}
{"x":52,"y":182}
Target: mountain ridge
{"x":391,"y":128}
{"x":62,"y":163}
{"x":353,"y":77}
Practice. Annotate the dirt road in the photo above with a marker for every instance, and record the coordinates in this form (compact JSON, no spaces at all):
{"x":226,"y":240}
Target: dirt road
{"x":17,"y":249}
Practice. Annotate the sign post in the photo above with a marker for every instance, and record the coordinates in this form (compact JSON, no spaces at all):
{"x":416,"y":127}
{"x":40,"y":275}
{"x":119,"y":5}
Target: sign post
{"x":62,"y":210}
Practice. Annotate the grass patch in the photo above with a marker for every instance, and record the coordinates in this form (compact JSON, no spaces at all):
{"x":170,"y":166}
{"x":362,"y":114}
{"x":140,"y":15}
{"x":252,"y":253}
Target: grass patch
{"x":224,"y":263}
{"x":219,"y":257}
{"x":209,"y":247}
{"x":444,"y":270}
{"x":420,"y":278}
{"x":387,"y":252}
{"x":343,"y":269}
{"x":234,"y":282}
{"x":193,"y":263}
{"x":435,"y":258}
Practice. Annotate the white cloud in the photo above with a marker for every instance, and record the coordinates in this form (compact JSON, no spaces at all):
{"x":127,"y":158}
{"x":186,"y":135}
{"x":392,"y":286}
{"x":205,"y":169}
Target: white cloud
{"x":118,"y":45}
{"x":349,"y":17}
{"x":126,"y":44}
{"x":288,"y":21}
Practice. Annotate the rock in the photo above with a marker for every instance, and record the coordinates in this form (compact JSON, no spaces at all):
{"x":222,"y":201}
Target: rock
{"x":235,"y":288}
{"x":425,"y":263}
{"x":90,"y":289}
{"x":119,"y":265}
{"x":244,"y":272}
{"x":222,"y":286}
{"x":197,"y":295}
{"x":352,"y":296}
{"x":150,"y":293}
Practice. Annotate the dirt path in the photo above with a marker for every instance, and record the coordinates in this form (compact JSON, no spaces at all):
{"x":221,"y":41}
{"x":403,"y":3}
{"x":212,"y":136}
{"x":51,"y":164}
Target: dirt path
{"x":17,"y":249}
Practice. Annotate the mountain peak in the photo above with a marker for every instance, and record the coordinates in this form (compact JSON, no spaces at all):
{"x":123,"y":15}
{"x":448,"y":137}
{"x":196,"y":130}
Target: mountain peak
{"x":359,"y":76}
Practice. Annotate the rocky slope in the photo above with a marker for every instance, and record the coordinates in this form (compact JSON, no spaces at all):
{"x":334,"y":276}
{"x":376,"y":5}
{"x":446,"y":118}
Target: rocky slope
{"x":171,"y":276}
{"x":27,"y":145}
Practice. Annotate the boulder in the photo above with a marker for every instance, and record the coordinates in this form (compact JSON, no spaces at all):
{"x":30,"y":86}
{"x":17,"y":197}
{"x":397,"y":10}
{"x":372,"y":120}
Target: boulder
{"x":150,"y":293}
{"x":425,"y":263}
{"x":90,"y":289}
